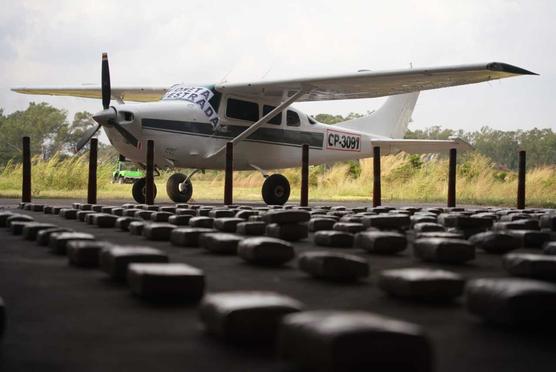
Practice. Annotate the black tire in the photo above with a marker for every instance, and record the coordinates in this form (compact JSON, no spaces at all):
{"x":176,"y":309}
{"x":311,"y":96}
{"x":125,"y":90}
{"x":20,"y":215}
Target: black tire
{"x":276,"y":190}
{"x":173,"y":189}
{"x":139,"y":190}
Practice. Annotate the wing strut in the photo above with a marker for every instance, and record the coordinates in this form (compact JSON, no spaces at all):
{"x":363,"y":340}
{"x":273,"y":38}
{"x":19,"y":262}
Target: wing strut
{"x":253,"y":127}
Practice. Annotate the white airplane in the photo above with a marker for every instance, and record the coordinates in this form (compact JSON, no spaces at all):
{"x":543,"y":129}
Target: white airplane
{"x":190,"y":125}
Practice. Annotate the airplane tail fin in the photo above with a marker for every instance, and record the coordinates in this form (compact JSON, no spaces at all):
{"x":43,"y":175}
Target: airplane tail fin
{"x":390,"y":120}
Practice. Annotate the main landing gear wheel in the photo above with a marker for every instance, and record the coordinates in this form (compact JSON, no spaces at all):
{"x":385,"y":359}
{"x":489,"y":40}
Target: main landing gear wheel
{"x":276,"y":190}
{"x":179,"y":188}
{"x":139,"y":190}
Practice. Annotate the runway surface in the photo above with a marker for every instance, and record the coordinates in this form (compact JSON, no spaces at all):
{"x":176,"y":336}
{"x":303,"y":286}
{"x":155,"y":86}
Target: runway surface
{"x":62,"y":318}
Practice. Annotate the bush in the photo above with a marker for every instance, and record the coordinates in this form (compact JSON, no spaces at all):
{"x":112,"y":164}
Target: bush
{"x":354,"y":170}
{"x":407,"y":170}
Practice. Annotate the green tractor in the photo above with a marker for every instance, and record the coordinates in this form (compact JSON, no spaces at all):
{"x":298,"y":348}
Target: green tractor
{"x":127,"y":172}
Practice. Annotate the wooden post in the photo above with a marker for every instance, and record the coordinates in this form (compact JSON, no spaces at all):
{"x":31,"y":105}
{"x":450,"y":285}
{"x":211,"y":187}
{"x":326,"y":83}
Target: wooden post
{"x":452,"y":179}
{"x":521,"y":180}
{"x":149,"y":179}
{"x":229,"y":176}
{"x":26,"y":181}
{"x":304,"y":197}
{"x":92,"y":184}
{"x":376,"y":177}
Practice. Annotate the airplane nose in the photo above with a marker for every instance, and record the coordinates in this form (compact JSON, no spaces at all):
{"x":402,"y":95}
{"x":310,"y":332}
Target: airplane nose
{"x":106,"y":116}
{"x":109,"y":117}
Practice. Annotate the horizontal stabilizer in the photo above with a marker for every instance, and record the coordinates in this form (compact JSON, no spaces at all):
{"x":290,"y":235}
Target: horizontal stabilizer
{"x":419,"y":146}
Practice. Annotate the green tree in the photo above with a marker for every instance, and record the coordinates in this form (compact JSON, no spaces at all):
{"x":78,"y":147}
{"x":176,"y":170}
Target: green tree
{"x":434,"y":132}
{"x":354,"y":115}
{"x":329,"y":119}
{"x":82,"y":121}
{"x":501,"y":146}
{"x":334,"y":119}
{"x":540,"y":145}
{"x":45,"y":125}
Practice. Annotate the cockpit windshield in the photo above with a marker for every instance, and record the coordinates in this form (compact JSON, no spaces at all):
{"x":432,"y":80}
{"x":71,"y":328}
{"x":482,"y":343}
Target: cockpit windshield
{"x":207,"y":98}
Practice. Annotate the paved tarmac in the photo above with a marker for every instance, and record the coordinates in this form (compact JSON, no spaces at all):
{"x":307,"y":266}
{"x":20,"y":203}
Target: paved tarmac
{"x":62,"y":318}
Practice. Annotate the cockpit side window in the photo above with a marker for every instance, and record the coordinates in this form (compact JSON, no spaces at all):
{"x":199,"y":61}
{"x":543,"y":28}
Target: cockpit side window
{"x":242,"y":110}
{"x":292,"y":119}
{"x":277,"y":119}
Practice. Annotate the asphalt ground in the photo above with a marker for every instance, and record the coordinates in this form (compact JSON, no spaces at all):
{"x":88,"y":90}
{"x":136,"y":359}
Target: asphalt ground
{"x":62,"y":318}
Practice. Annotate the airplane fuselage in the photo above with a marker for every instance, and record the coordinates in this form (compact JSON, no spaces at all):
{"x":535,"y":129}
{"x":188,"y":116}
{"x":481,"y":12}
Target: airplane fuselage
{"x":184,"y":138}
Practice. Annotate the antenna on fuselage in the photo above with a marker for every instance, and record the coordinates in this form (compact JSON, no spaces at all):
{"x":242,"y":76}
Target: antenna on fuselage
{"x":269,"y":68}
{"x":266,"y":73}
{"x":225,"y":77}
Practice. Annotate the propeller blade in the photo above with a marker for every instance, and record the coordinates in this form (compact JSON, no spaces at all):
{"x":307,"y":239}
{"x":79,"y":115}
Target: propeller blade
{"x":109,"y":117}
{"x":127,"y":135}
{"x":86,"y":137}
{"x":105,"y":82}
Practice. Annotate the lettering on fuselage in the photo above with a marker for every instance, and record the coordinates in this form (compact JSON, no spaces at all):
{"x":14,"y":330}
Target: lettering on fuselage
{"x":197,"y":95}
{"x":343,"y":141}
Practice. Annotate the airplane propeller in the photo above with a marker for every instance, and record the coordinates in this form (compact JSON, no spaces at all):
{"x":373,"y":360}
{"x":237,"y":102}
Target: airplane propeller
{"x":108,"y":116}
{"x":86,"y":137}
{"x":105,"y":82}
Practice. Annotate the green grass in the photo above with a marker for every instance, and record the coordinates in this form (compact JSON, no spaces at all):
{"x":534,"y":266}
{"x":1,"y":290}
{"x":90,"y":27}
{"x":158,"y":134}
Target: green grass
{"x":405,"y":178}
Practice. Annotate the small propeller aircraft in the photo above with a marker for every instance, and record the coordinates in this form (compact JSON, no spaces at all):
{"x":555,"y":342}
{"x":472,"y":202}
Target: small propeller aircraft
{"x":190,"y":125}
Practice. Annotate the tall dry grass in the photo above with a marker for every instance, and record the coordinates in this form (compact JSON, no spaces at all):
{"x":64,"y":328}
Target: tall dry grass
{"x":56,"y":174}
{"x":404,"y":178}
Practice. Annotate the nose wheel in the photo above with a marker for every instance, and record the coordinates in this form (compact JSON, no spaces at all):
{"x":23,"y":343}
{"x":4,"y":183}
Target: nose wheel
{"x":179,"y":188}
{"x":276,"y":190}
{"x":139,"y":190}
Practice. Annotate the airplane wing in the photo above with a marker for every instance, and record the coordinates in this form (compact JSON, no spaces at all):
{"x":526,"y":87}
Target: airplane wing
{"x":137,"y":94}
{"x":417,"y":146}
{"x":374,"y":84}
{"x":347,"y":86}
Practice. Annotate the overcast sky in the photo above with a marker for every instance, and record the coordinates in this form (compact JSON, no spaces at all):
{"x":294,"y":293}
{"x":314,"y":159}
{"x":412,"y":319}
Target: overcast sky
{"x":165,"y":42}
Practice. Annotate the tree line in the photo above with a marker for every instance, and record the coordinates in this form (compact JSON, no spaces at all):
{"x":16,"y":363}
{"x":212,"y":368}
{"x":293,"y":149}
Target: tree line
{"x":48,"y":128}
{"x":52,"y":133}
{"x":499,"y":145}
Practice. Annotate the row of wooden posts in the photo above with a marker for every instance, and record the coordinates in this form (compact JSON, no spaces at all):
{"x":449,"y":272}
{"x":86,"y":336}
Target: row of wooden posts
{"x":228,"y":180}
